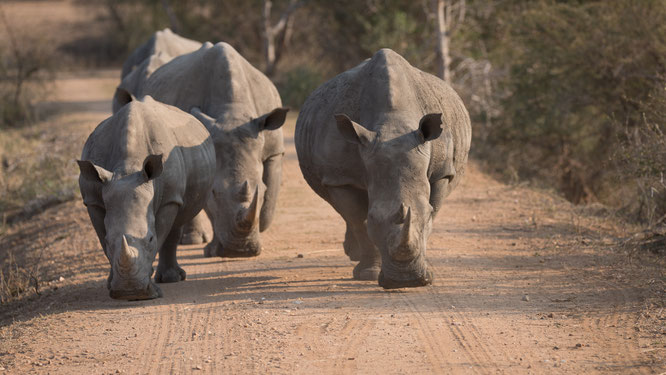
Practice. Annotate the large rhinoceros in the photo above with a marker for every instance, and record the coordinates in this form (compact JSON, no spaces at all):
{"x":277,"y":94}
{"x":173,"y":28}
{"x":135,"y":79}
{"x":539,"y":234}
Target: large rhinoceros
{"x":145,"y":172}
{"x":384,"y":143}
{"x":242,"y":109}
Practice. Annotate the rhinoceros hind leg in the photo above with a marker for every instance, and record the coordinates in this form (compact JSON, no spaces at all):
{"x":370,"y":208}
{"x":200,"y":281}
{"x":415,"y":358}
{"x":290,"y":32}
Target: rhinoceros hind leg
{"x":197,"y":231}
{"x":168,"y":270}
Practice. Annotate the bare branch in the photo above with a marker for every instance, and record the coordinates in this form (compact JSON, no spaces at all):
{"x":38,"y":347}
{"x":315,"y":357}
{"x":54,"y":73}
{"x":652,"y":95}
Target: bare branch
{"x":173,"y":20}
{"x":281,"y":32}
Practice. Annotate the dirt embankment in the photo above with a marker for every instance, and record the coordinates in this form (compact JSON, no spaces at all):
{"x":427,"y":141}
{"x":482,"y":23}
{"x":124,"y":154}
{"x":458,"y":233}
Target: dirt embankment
{"x":525,"y":283}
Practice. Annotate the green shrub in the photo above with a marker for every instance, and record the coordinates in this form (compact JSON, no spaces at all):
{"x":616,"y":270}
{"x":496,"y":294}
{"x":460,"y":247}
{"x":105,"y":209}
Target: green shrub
{"x":296,"y":84}
{"x":578,"y":79}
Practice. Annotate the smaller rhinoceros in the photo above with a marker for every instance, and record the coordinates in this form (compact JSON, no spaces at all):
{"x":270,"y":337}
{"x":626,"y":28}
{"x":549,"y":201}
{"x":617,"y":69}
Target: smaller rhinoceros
{"x":145,"y":172}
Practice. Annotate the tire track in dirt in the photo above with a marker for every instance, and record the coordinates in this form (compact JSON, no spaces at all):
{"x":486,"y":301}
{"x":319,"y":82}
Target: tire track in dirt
{"x":614,"y":318}
{"x":354,"y":335}
{"x":164,"y":329}
{"x":209,"y":338}
{"x":482,"y":346}
{"x":179,"y":319}
{"x":145,"y":349}
{"x":468,"y":331}
{"x":433,"y":344}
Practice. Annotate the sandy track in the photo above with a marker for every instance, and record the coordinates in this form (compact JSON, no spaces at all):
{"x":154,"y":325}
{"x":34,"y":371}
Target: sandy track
{"x":524,"y":284}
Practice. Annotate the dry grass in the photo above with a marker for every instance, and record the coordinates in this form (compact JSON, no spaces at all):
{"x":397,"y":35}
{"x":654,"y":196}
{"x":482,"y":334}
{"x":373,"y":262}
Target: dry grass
{"x":38,"y":170}
{"x":15,"y":279}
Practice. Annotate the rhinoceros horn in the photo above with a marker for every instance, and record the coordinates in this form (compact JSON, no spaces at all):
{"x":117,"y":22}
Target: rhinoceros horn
{"x":403,"y":249}
{"x":248,"y":219}
{"x":127,"y":258}
{"x":399,"y":216}
{"x":244,"y":192}
{"x":406,"y":233}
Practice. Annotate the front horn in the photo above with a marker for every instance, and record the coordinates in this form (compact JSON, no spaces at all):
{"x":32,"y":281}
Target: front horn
{"x":127,"y":258}
{"x":402,"y":249}
{"x":249,"y":220}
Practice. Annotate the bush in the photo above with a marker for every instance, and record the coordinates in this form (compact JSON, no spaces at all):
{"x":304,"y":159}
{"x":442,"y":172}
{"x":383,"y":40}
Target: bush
{"x":583,"y":81}
{"x":642,"y":158}
{"x":297,"y":84}
{"x":25,"y":66}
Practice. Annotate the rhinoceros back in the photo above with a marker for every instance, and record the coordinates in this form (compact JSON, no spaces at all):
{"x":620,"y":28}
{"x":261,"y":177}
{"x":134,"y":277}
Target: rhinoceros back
{"x":385,"y":83}
{"x":213,"y":78}
{"x":163,"y":42}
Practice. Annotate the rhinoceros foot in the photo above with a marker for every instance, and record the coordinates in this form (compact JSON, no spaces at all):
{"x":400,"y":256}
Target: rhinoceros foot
{"x":152,"y":291}
{"x":210,"y":250}
{"x":366,"y":272}
{"x":388,"y":283}
{"x":194,"y":238}
{"x":170,"y":275}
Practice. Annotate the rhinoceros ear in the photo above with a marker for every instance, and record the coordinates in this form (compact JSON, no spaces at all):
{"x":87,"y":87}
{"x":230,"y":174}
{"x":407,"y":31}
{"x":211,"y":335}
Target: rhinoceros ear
{"x":430,"y":126}
{"x":92,"y":172}
{"x":353,"y":132}
{"x":273,"y":120}
{"x":152,"y":167}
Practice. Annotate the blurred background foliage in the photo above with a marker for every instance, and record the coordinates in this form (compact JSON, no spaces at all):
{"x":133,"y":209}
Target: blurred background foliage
{"x":568,"y":95}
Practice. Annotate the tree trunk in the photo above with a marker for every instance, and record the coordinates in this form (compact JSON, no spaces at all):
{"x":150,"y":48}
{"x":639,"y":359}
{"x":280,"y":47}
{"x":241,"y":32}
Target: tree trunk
{"x":173,"y":20}
{"x":276,"y":36}
{"x":269,"y":39}
{"x":442,"y":10}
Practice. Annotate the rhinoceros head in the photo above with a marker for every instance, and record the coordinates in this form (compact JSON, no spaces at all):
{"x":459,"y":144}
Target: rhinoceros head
{"x":131,"y":241}
{"x":238,"y":188}
{"x":396,"y":161}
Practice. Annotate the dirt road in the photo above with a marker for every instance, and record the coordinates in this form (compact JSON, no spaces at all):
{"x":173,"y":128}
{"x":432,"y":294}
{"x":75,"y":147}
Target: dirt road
{"x":525,"y":283}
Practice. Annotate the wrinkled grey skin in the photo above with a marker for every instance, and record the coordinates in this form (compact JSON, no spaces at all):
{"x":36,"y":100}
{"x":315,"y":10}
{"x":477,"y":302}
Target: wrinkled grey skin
{"x":163,"y":46}
{"x":242,"y":110}
{"x":145,"y":172}
{"x":384,"y":143}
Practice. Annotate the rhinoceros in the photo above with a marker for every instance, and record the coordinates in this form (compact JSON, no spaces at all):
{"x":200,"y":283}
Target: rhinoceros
{"x":384,"y":143}
{"x":242,"y":109}
{"x":145,"y":172}
{"x":163,"y":46}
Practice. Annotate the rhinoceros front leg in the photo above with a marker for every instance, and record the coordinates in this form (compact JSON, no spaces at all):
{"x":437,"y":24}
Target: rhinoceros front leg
{"x":97,"y":214}
{"x":197,"y":231}
{"x":168,"y":270}
{"x":272,"y":178}
{"x":352,"y":205}
{"x":351,"y":245}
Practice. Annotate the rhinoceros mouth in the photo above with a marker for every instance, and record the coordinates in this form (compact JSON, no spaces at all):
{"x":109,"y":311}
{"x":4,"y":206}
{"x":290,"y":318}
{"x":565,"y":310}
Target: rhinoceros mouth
{"x":234,"y":247}
{"x":152,"y":291}
{"x":246,"y":252}
{"x":389,"y":283}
